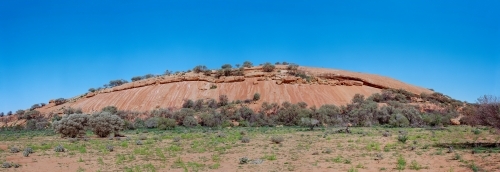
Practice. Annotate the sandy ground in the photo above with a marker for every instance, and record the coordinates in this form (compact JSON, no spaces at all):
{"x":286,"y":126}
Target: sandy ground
{"x":364,"y":150}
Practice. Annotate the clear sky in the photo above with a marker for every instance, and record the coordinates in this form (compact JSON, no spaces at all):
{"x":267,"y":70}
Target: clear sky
{"x":51,"y":49}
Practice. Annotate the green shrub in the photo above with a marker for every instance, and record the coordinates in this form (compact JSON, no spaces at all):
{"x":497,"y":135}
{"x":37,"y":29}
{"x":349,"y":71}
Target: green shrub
{"x":402,"y":138}
{"x":190,"y":121}
{"x":399,"y":120}
{"x":105,"y":123}
{"x":14,"y":150}
{"x":72,"y":125}
{"x":245,"y":139}
{"x":401,"y":163}
{"x":110,"y":109}
{"x":59,"y":148}
{"x":212,"y":119}
{"x":268,"y":67}
{"x":200,"y":68}
{"x":223,"y":100}
{"x":166,"y":124}
{"x":247,"y":64}
{"x":151,"y":122}
{"x":256,"y":97}
{"x":277,"y":139}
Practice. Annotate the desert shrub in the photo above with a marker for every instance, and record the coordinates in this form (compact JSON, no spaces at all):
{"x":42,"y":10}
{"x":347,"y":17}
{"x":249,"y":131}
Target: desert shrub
{"x":92,"y":90}
{"x":245,"y":139}
{"x":247,"y":64}
{"x":110,"y":109}
{"x":14,"y":150}
{"x":200,"y":68}
{"x":72,"y":125}
{"x":256,"y":97}
{"x":35,"y":106}
{"x":136,"y":78}
{"x":110,"y":148}
{"x":245,"y":112}
{"x":30,"y":114}
{"x":151,"y":122}
{"x":402,"y":138}
{"x":6,"y":165}
{"x":184,"y":112}
{"x":59,"y":148}
{"x":60,"y":101}
{"x":114,"y":83}
{"x":30,"y":124}
{"x":20,"y":112}
{"x":329,"y":114}
{"x":188,"y":103}
{"x":26,"y":153}
{"x":71,"y":110}
{"x":161,"y":112}
{"x":105,"y":123}
{"x":2,"y":114}
{"x":9,"y":113}
{"x":166,"y":124}
{"x":139,"y":123}
{"x":277,"y":139}
{"x":190,"y":121}
{"x":399,"y":120}
{"x":138,"y":142}
{"x":247,"y":101}
{"x":223,"y":100}
{"x":268,"y":67}
{"x":177,"y":139}
{"x":212,"y":119}
{"x":309,"y":122}
{"x":212,"y":103}
{"x":213,"y":86}
{"x":198,"y":104}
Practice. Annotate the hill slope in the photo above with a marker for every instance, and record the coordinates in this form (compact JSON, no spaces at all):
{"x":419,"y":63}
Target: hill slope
{"x":323,"y":86}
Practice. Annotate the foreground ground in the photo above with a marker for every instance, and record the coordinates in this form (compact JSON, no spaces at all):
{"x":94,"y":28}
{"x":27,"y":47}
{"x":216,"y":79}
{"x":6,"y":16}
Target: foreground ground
{"x":204,"y":149}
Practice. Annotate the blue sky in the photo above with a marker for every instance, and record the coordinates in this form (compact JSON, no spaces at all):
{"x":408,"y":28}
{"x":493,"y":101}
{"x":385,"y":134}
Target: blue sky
{"x":51,"y":49}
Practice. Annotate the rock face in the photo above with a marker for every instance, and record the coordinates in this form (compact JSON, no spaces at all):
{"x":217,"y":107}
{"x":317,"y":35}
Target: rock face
{"x":325,"y":86}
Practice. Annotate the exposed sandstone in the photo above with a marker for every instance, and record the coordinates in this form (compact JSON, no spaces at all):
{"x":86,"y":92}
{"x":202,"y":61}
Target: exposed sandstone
{"x":230,"y":79}
{"x":254,"y":74}
{"x":289,"y":79}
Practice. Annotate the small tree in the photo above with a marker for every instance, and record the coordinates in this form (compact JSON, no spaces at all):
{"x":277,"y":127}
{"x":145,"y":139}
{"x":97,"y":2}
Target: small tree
{"x":247,"y":64}
{"x":60,"y":101}
{"x":92,"y":90}
{"x":226,"y":66}
{"x":136,"y":78}
{"x":223,"y":100}
{"x":105,"y":123}
{"x":256,"y":97}
{"x":71,"y":125}
{"x":20,"y":112}
{"x":268,"y":67}
{"x":200,"y":68}
{"x":35,"y":106}
{"x":9,"y":113}
{"x":190,"y":121}
{"x":188,"y":103}
{"x":2,"y":114}
{"x":309,"y":122}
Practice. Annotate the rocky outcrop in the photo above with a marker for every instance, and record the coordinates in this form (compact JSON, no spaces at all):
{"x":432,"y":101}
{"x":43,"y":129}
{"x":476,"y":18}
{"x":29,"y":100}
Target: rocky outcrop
{"x":230,"y":79}
{"x":254,"y":74}
{"x":289,"y":79}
